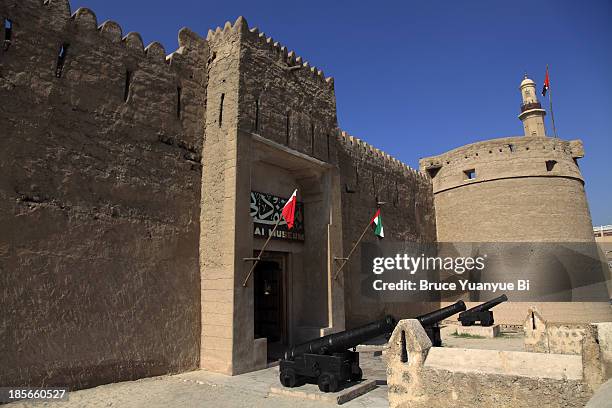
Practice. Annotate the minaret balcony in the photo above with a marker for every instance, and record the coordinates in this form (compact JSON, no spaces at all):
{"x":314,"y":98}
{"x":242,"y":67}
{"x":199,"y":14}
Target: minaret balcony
{"x":530,"y":105}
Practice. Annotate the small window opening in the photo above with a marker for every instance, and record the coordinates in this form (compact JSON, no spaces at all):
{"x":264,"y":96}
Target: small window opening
{"x":511,"y":146}
{"x":61,"y":59}
{"x":256,"y":115}
{"x":128,"y":82}
{"x":179,"y":97}
{"x":404,"y":352}
{"x":533,"y":325}
{"x":470,"y":174}
{"x":288,"y":127}
{"x":433,"y":171}
{"x":312,"y":138}
{"x":550,"y":165}
{"x":8,"y":33}
{"x":221,"y":109}
{"x":396,"y":196}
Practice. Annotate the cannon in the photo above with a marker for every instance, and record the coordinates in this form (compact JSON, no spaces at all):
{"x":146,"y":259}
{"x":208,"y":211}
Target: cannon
{"x":329,"y":362}
{"x":430,"y":321}
{"x":481,"y":313}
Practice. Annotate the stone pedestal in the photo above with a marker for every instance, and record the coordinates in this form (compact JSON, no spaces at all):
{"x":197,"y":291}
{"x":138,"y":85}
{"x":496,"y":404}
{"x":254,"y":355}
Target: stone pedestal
{"x":311,"y":392}
{"x":487,"y":332}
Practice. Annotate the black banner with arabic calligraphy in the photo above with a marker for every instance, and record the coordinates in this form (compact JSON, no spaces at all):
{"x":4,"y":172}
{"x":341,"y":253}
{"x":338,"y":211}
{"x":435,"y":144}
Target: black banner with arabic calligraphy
{"x":266,"y":210}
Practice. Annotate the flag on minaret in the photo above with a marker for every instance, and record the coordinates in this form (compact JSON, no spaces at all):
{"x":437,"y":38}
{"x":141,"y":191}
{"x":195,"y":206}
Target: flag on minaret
{"x":546,"y":83}
{"x":288,"y":212}
{"x":376,"y":223}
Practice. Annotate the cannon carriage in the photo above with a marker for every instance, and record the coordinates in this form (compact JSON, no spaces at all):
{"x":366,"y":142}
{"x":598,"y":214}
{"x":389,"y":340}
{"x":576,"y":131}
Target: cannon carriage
{"x":481,"y":313}
{"x":329,"y":361}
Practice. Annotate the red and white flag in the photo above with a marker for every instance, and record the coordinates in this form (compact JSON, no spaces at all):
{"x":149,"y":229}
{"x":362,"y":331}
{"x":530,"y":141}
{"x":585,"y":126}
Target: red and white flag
{"x":289,"y":210}
{"x":546,"y":83}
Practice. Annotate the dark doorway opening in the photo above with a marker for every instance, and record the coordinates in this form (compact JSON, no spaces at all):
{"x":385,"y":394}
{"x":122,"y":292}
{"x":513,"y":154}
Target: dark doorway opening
{"x":269,"y":306}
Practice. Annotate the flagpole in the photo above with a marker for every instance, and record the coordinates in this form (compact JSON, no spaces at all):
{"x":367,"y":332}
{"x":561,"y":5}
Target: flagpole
{"x":244,"y":284}
{"x":352,"y":250}
{"x":552,"y":113}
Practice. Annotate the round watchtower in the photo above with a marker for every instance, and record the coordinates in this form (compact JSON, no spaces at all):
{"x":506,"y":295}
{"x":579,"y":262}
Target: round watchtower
{"x":523,"y":189}
{"x":513,"y":189}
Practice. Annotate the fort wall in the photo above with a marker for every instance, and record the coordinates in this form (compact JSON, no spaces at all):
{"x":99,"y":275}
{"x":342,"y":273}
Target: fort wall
{"x":286,"y":101}
{"x":369,"y":176}
{"x":521,"y":189}
{"x":100,"y":160}
{"x":419,"y":375}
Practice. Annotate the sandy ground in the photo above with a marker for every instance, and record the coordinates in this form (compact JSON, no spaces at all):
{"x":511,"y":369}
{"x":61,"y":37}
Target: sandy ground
{"x":508,"y":341}
{"x":205,"y":389}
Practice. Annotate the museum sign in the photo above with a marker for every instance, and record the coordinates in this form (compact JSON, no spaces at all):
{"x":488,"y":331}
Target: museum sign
{"x":266,"y":210}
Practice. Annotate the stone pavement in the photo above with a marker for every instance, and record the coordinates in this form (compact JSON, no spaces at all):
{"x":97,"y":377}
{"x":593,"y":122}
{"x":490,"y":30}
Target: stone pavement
{"x":205,"y":389}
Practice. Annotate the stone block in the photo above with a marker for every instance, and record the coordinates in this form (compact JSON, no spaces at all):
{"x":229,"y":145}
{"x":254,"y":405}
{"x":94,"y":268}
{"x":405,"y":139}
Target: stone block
{"x":311,"y":392}
{"x":481,"y":331}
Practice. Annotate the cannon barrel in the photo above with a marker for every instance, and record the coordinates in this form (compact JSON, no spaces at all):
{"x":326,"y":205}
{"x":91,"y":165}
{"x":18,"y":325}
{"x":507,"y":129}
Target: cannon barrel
{"x":490,"y":304}
{"x":339,"y":342}
{"x":437,"y":316}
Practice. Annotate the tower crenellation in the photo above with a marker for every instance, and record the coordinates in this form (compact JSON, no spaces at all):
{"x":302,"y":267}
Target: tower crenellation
{"x":489,"y":176}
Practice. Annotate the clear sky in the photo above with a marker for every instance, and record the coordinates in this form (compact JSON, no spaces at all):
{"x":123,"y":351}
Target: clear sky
{"x":417,"y":78}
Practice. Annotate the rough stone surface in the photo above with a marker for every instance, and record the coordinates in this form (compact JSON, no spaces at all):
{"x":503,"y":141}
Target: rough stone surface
{"x":369,"y":176}
{"x":448,"y":380}
{"x":526,"y":189}
{"x":542,"y":336}
{"x":488,"y":332}
{"x":311,"y":392}
{"x":99,"y":200}
{"x":604,"y":335}
{"x":513,"y":195}
{"x":602,"y":397}
{"x":112,"y":157}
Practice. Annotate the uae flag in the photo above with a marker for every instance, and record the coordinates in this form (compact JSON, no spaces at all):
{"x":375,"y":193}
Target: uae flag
{"x":289,"y":210}
{"x":376,"y":223}
{"x":546,"y":83}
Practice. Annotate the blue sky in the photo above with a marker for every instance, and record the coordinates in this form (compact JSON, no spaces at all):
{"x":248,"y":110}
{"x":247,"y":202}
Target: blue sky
{"x":417,"y":78}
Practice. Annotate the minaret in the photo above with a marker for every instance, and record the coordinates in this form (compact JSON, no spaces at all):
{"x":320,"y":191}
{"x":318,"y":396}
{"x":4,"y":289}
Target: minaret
{"x":532,"y":113}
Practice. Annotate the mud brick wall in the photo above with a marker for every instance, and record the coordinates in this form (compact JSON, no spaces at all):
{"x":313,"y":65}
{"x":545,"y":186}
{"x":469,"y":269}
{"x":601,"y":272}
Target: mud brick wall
{"x":100,"y":167}
{"x":284,"y":99}
{"x":369,"y":176}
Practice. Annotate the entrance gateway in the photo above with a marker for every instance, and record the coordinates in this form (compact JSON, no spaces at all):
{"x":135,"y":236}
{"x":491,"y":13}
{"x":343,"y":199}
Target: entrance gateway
{"x":291,"y":297}
{"x":270,"y":304}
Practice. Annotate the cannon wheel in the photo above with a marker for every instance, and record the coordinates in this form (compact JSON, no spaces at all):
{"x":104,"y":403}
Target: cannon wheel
{"x":328,"y":382}
{"x":288,"y":378}
{"x":356,"y":373}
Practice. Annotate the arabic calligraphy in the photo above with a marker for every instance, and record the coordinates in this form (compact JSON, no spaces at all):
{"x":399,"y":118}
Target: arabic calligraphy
{"x":266,"y":211}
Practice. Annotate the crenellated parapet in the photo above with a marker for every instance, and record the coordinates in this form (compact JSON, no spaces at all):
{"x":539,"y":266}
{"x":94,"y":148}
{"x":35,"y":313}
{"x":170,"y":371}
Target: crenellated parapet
{"x":504,"y":158}
{"x":228,"y":31}
{"x":362,"y":151}
{"x":285,"y":56}
{"x":96,"y":68}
